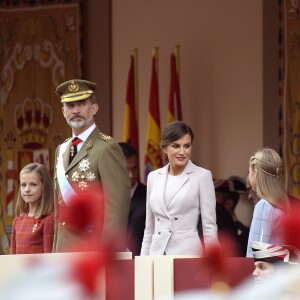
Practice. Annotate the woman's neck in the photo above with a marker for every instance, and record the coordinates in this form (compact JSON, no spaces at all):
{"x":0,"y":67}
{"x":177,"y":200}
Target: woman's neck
{"x":175,"y":171}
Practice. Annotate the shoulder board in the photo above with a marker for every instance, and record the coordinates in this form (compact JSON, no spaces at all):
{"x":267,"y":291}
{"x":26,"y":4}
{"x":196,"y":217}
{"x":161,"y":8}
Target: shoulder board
{"x":104,"y":137}
{"x":66,"y":140}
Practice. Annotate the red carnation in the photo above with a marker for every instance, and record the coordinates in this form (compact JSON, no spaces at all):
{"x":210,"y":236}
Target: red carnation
{"x":85,"y":212}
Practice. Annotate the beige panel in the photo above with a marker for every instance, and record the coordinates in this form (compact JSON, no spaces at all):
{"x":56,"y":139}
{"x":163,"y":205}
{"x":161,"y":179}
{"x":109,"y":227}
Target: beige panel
{"x":124,"y":255}
{"x":143,"y":278}
{"x":163,"y":277}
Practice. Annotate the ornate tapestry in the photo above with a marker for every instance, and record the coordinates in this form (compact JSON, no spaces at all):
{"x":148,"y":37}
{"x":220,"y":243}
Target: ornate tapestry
{"x":39,"y":49}
{"x":291,"y":96}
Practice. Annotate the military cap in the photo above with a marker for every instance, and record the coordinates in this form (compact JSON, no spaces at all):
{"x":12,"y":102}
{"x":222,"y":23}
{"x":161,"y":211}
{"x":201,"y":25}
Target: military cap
{"x":75,"y":90}
{"x":269,"y":253}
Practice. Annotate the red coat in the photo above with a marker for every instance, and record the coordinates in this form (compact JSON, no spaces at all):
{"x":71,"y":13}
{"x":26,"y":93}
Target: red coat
{"x":30,"y":235}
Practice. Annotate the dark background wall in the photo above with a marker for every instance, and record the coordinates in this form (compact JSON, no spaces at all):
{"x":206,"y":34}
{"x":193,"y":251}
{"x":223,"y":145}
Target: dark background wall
{"x":228,"y":71}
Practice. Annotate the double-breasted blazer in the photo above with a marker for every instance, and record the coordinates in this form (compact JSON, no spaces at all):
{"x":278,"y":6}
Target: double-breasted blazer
{"x":171,"y":227}
{"x":108,"y":166}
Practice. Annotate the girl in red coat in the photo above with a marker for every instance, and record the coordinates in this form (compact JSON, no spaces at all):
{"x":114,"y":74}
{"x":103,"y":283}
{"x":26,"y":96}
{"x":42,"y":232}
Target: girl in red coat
{"x":33,"y":226}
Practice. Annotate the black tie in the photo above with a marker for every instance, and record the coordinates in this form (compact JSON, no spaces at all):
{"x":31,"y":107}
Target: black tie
{"x":73,"y":149}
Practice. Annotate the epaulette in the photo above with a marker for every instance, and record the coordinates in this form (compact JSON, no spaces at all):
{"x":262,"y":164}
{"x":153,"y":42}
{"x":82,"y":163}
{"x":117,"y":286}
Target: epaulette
{"x":66,"y":140}
{"x":104,"y":137}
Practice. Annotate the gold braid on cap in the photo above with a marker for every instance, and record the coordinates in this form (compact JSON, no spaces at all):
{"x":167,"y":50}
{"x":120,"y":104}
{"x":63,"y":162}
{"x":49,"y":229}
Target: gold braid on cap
{"x":89,"y":92}
{"x":277,"y":176}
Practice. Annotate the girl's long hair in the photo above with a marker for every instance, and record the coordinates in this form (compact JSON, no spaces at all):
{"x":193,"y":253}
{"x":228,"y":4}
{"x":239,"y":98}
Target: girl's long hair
{"x":269,"y":184}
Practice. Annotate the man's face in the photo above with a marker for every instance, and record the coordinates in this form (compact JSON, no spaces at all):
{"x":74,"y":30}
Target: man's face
{"x":132,"y":165}
{"x":79,"y":114}
{"x":262,"y":269}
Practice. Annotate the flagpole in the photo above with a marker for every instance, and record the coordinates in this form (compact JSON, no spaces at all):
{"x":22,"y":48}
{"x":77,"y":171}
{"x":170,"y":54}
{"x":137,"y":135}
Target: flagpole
{"x":155,"y":54}
{"x":135,"y":65}
{"x":174,"y":110}
{"x":176,"y":52}
{"x":130,"y":132}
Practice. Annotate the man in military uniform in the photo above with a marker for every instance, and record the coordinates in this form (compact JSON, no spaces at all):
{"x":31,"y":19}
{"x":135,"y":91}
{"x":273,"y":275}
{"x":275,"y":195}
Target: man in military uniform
{"x":87,"y":158}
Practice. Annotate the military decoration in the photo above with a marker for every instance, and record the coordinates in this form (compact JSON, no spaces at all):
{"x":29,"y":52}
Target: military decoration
{"x":83,"y":176}
{"x":35,"y":226}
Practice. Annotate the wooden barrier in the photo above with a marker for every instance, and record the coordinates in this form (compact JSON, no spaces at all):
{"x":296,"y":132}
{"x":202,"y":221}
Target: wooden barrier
{"x":196,"y":273}
{"x":142,"y":278}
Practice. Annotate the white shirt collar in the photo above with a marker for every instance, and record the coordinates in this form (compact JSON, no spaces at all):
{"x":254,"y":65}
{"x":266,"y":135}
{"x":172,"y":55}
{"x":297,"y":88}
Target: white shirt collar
{"x":84,"y":135}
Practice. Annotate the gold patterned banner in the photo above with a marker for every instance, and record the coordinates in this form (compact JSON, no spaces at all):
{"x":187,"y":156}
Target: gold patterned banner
{"x":292,"y":96}
{"x":39,"y":49}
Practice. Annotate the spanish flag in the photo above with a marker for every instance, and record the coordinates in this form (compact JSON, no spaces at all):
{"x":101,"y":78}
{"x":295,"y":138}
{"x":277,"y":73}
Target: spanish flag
{"x":130,"y":133}
{"x":153,"y":158}
{"x":174,"y":110}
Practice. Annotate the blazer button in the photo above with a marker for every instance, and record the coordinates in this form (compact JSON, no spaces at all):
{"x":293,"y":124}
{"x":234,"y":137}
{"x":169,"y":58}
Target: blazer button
{"x":159,"y":232}
{"x":170,"y":231}
{"x":175,"y":218}
{"x":158,"y":219}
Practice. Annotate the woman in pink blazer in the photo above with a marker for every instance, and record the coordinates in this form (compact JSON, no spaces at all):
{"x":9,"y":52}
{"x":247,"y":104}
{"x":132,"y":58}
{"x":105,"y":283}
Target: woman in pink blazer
{"x":176,"y":195}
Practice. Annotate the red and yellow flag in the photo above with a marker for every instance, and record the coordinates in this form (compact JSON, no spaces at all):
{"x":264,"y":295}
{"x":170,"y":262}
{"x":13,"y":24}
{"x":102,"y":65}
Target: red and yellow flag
{"x":153,"y":158}
{"x":130,"y":134}
{"x":174,"y":109}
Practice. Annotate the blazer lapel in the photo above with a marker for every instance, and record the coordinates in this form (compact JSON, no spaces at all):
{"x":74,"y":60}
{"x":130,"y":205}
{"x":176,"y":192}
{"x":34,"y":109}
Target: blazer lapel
{"x":160,"y":189}
{"x":189,"y":168}
{"x":184,"y":178}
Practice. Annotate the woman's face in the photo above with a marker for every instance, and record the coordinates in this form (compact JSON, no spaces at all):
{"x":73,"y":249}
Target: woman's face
{"x":262,"y":269}
{"x":252,"y":177}
{"x":179,"y":153}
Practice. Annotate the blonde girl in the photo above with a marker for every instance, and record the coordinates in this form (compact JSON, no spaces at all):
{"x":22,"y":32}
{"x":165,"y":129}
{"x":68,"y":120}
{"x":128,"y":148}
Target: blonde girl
{"x":33,"y":226}
{"x":265,"y":176}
